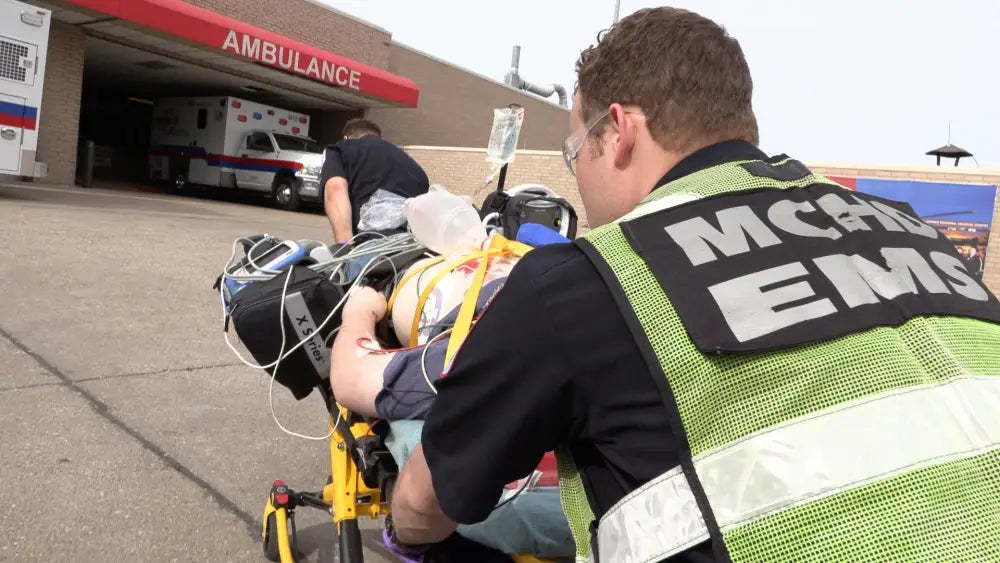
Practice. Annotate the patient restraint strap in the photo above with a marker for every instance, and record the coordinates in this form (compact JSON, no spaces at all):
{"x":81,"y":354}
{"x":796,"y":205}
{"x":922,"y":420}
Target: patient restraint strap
{"x":426,"y":293}
{"x":415,"y":271}
{"x":499,"y":246}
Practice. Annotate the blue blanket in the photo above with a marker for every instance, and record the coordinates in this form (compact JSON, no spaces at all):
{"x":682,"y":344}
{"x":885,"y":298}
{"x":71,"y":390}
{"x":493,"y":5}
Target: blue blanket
{"x":532,"y":523}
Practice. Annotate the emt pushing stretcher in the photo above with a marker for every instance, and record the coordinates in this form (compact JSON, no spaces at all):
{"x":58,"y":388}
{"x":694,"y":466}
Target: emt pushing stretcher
{"x":379,"y":380}
{"x":742,"y":361}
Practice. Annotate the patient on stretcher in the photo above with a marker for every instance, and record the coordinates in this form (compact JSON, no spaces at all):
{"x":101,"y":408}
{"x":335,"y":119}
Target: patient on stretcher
{"x":397,"y":386}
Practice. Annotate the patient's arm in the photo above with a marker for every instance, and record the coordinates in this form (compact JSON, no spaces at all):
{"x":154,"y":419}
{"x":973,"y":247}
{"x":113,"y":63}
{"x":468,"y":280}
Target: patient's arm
{"x":355,"y":372}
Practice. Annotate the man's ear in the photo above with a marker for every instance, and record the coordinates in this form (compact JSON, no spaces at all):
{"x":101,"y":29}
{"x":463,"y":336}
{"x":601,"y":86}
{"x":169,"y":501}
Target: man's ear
{"x":625,"y":131}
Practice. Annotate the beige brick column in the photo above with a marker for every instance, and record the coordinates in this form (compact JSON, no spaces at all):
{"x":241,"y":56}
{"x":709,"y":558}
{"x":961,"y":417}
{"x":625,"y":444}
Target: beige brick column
{"x":59,"y":122}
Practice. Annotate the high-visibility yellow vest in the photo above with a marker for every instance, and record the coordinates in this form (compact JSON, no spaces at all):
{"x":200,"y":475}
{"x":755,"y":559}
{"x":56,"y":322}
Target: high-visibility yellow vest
{"x":832,"y":368}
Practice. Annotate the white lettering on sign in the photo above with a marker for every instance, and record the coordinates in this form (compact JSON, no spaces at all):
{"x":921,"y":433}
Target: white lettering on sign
{"x":251,"y":47}
{"x":313,"y":68}
{"x":858,"y":279}
{"x":752,"y":312}
{"x":286,"y":63}
{"x":291,"y":59}
{"x":694,"y":235}
{"x":768,"y":268}
{"x":341,"y":80}
{"x":268,"y":56}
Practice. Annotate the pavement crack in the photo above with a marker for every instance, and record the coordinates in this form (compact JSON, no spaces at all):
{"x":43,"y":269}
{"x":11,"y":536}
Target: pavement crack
{"x":63,"y":383}
{"x":160,"y":371}
{"x":102,"y":409}
{"x":33,"y":386}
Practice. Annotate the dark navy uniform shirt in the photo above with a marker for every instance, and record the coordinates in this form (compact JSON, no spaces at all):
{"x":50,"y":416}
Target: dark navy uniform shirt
{"x":552,"y":361}
{"x":369,"y":164}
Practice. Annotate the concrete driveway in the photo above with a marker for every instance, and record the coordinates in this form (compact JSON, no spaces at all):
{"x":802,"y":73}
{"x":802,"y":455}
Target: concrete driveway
{"x":128,"y":430}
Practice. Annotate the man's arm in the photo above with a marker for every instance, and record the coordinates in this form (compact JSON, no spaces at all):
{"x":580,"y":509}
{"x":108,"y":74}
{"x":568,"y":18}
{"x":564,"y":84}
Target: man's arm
{"x":355,"y":373}
{"x":416,"y":514}
{"x":337,"y":204}
{"x":504,"y":403}
{"x":336,"y":195}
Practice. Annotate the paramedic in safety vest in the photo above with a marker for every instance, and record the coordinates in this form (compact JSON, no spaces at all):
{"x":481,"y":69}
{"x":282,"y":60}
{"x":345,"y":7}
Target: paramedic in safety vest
{"x":742,"y":361}
{"x":357,"y":167}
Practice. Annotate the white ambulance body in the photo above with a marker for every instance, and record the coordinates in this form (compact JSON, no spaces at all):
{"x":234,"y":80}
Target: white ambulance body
{"x":24,"y":43}
{"x":234,"y":143}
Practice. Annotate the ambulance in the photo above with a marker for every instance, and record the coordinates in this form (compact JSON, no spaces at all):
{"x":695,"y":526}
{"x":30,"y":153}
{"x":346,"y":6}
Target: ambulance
{"x":228,"y":142}
{"x":24,"y":43}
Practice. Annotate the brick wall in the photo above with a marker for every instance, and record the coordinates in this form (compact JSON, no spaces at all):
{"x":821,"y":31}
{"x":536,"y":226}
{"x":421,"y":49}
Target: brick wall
{"x":310,"y":23}
{"x":59,"y":121}
{"x":936,"y":174}
{"x":456,"y":107}
{"x":463,"y":171}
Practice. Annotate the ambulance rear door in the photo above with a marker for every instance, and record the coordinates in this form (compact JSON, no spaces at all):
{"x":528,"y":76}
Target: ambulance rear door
{"x":12,"y":121}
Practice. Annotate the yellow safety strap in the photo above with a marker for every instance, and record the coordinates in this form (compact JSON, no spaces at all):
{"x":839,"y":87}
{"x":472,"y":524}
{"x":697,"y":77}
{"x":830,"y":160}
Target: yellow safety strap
{"x":426,"y":293}
{"x":409,"y":275}
{"x":499,"y":246}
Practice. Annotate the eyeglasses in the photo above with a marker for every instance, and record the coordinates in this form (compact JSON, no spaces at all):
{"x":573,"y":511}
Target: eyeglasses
{"x":573,"y":143}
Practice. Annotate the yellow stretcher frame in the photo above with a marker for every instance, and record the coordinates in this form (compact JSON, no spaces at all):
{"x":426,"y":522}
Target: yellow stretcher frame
{"x":346,"y":497}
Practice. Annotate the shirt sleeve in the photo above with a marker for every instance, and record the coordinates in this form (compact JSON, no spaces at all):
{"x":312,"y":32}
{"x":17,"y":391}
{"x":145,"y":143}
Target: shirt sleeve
{"x":333,"y":165}
{"x":502,"y":405}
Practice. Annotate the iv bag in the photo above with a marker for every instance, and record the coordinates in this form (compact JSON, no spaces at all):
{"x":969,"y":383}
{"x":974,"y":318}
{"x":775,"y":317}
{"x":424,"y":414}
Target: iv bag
{"x":503,"y":136}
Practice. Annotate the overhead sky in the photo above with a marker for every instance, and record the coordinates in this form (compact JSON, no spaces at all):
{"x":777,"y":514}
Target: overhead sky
{"x":861,"y":81}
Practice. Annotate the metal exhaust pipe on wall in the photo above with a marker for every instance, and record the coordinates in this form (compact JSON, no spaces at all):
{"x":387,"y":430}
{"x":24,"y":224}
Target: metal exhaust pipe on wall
{"x":514,"y":80}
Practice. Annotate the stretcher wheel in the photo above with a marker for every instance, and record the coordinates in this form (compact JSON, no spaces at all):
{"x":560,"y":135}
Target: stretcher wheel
{"x":270,"y":542}
{"x":350,"y":542}
{"x":272,"y":551}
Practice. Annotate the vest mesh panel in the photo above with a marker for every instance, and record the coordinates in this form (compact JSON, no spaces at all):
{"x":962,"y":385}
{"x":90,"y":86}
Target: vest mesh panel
{"x":725,"y":398}
{"x":946,"y":512}
{"x":574,"y":502}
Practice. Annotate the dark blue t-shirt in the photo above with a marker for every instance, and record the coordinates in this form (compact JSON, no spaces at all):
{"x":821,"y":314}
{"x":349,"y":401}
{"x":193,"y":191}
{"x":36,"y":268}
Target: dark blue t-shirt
{"x":369,"y":164}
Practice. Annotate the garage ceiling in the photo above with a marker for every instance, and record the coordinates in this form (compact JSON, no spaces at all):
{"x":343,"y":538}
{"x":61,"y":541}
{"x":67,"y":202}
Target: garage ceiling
{"x":150,"y":75}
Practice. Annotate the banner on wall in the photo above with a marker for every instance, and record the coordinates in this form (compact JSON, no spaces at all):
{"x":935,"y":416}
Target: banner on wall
{"x":962,"y":212}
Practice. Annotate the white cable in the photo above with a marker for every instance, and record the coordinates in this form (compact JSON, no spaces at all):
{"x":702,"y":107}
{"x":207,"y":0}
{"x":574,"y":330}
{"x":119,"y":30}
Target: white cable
{"x":423,"y":358}
{"x":274,"y":374}
{"x":281,"y":316}
{"x":368,"y":267}
{"x":281,"y":355}
{"x":490,"y":217}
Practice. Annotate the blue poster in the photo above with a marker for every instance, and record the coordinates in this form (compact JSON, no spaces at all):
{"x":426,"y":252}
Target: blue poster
{"x":962,"y":212}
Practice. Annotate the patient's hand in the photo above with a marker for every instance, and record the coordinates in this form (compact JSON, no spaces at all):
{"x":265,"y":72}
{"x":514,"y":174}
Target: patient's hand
{"x":364,"y":307}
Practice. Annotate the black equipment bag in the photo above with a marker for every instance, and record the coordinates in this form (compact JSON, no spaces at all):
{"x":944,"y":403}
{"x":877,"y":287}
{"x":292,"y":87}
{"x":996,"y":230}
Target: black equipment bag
{"x":309,"y":299}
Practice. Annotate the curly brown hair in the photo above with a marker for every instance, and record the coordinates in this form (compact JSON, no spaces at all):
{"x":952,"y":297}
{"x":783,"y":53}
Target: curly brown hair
{"x":685,"y":71}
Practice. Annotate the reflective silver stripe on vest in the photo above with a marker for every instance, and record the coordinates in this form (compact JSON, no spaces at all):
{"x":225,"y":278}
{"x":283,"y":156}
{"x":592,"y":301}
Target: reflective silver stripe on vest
{"x":652,"y":522}
{"x":804,"y":460}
